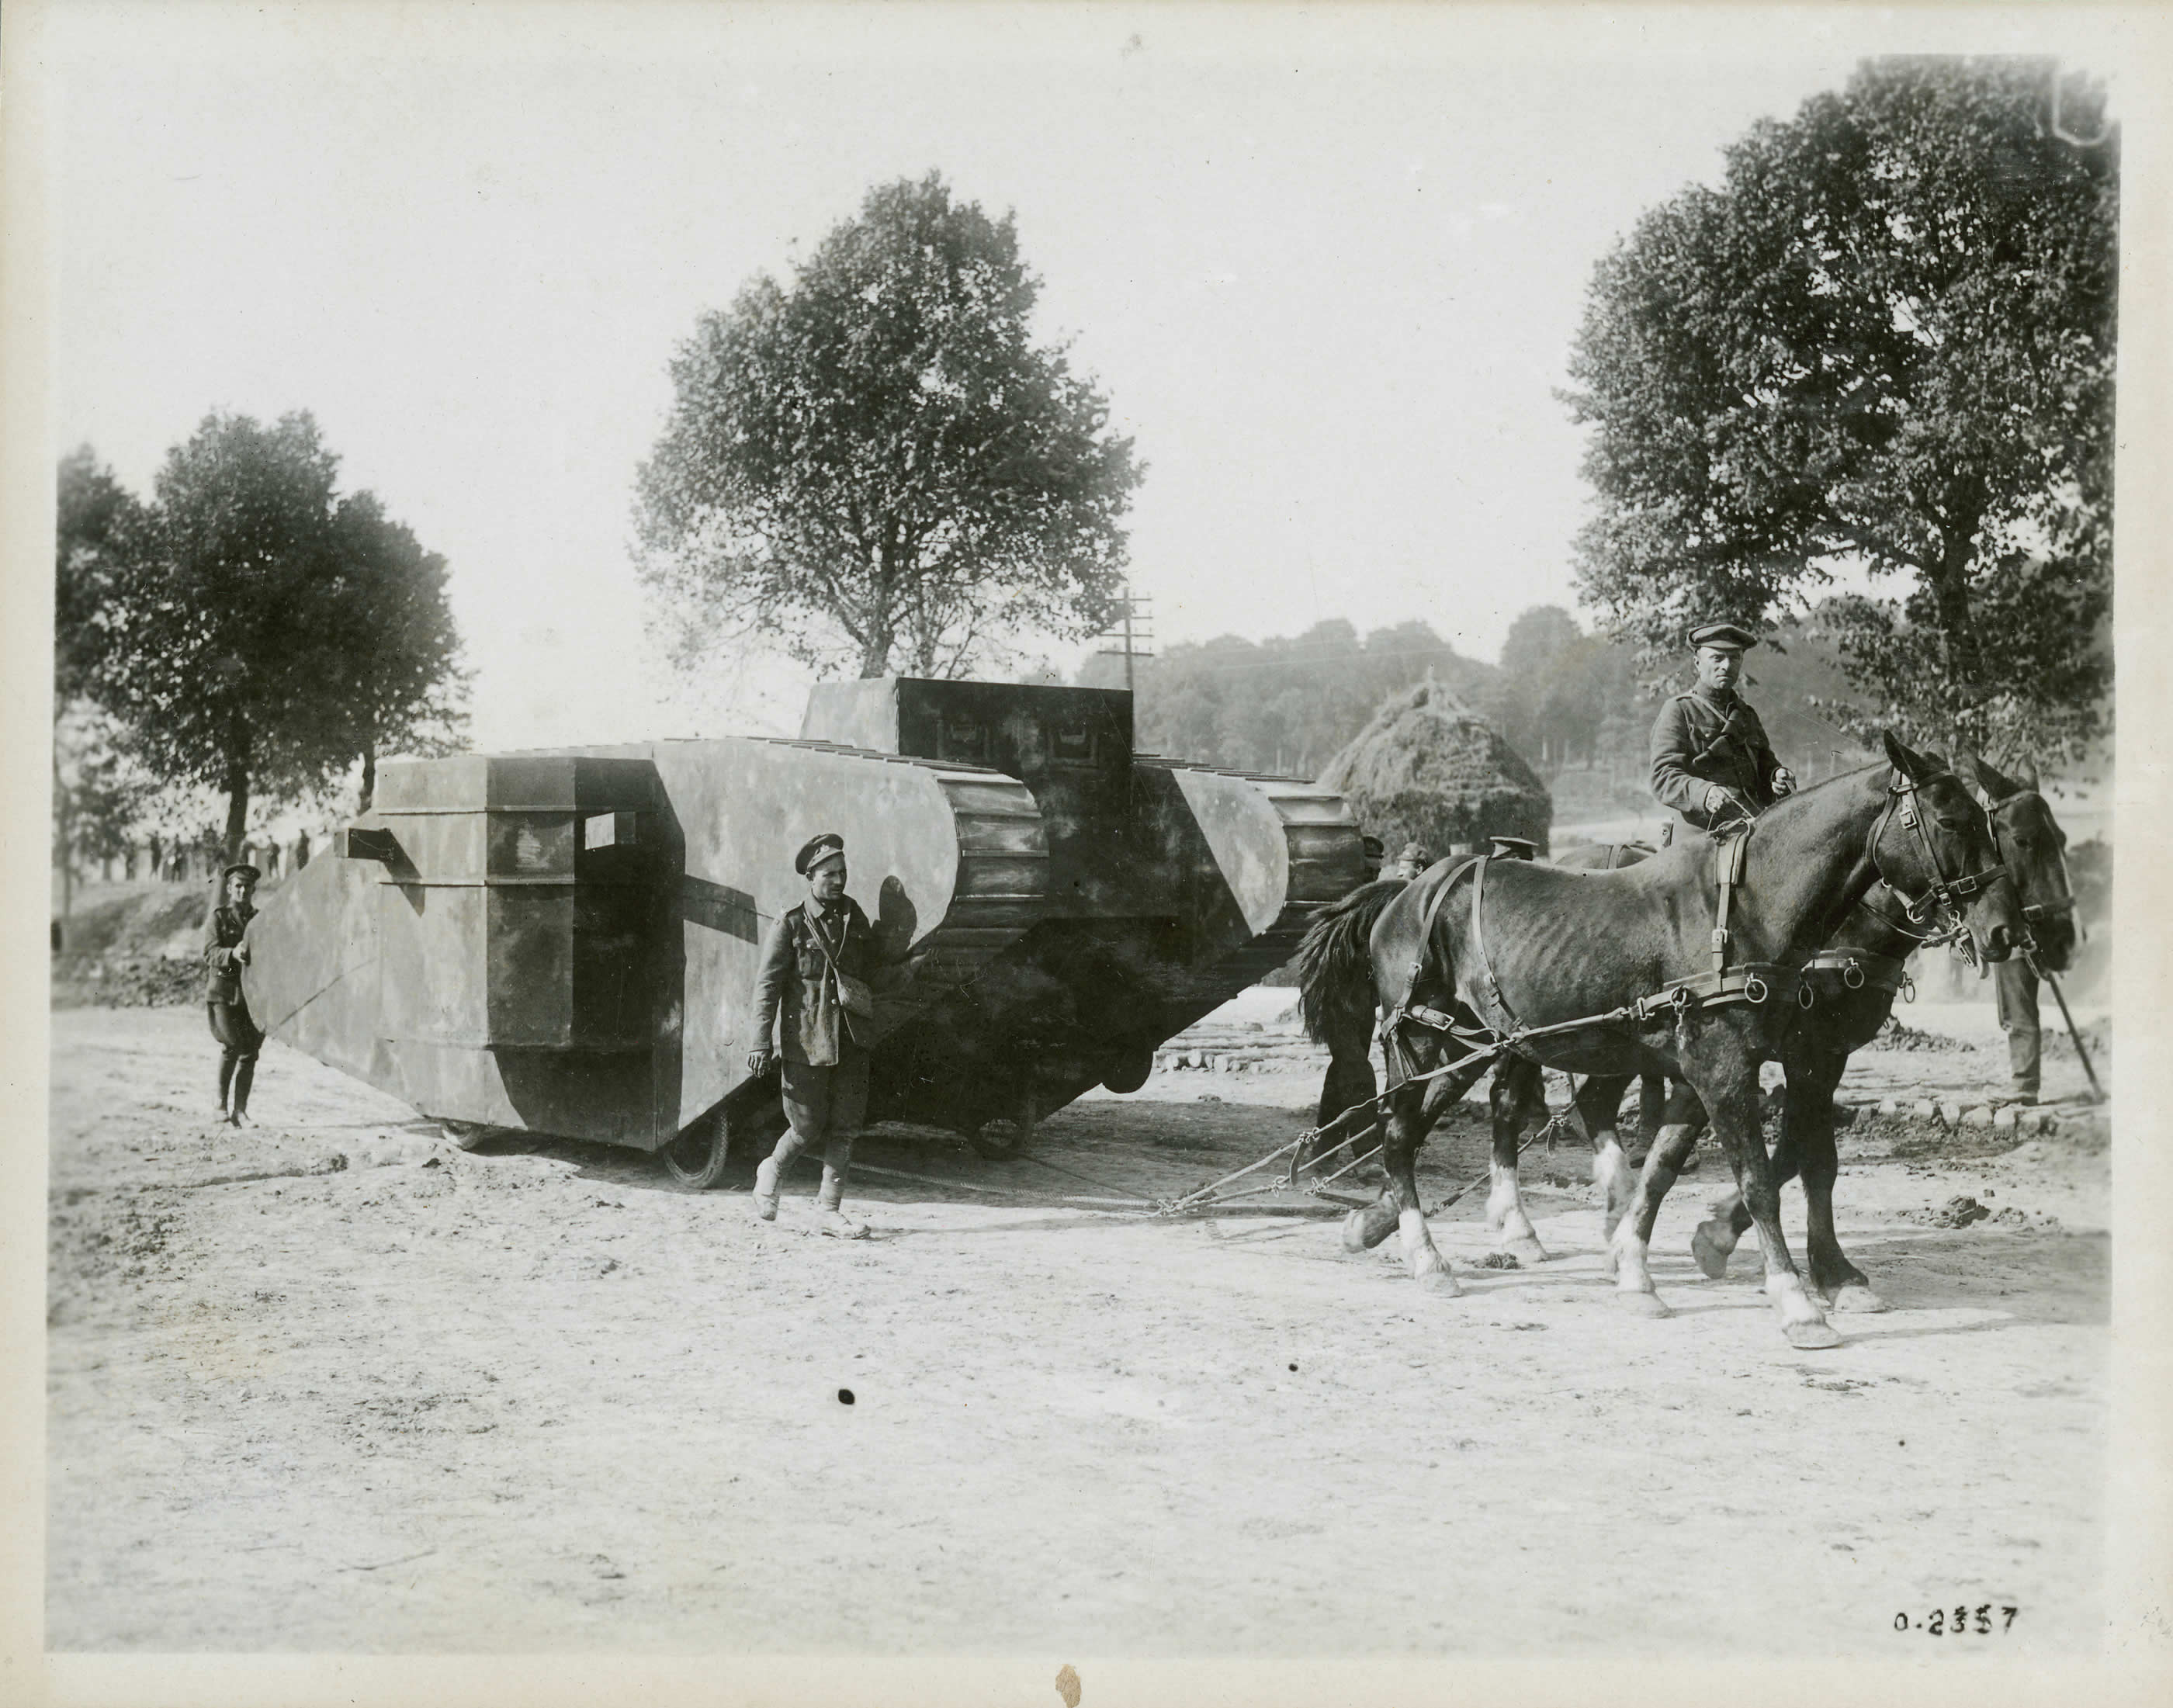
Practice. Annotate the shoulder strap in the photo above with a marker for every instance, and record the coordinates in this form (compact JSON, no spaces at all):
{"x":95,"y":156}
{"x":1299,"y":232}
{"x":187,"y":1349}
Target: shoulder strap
{"x":1493,"y":985}
{"x":1433,"y":911}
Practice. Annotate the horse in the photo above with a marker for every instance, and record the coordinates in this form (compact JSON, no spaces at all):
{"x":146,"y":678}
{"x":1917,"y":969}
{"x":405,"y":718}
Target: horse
{"x":1568,"y":969}
{"x":1847,"y":1016}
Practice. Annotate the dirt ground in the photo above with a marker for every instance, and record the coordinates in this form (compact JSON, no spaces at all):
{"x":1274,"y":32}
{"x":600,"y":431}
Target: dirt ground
{"x":328,"y":1385}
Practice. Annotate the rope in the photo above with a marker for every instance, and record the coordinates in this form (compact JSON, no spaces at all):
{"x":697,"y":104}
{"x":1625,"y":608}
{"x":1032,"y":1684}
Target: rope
{"x":1105,"y":1186}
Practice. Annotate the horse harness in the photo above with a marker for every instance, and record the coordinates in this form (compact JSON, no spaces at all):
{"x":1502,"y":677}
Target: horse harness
{"x":1725,"y":984}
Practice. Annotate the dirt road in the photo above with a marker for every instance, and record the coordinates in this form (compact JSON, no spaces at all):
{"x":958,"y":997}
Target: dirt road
{"x":326,"y":1385}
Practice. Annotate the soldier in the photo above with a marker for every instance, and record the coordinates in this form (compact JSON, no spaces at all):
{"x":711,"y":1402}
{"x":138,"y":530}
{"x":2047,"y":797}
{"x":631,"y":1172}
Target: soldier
{"x":812,"y":1008}
{"x":226,"y":952}
{"x":1711,"y":760}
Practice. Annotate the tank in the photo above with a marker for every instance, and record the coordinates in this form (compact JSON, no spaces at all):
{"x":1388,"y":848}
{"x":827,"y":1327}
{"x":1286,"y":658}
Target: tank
{"x":564,"y":942}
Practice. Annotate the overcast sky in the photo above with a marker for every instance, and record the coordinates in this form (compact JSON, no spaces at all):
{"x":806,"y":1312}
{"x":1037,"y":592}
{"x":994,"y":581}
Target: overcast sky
{"x":1325,"y":264}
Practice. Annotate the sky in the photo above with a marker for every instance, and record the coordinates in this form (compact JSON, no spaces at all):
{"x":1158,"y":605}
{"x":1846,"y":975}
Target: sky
{"x":1326,"y":264}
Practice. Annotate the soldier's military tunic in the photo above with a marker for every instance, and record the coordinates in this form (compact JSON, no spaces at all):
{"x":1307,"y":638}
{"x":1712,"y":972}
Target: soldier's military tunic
{"x":798,"y":1014}
{"x":231,"y":1023}
{"x":1708,"y":736}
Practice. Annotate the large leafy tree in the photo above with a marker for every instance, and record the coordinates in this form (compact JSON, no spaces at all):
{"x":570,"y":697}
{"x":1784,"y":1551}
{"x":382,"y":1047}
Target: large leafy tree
{"x":396,"y":675}
{"x":265,"y":634}
{"x":1881,"y":352}
{"x":878,"y":464}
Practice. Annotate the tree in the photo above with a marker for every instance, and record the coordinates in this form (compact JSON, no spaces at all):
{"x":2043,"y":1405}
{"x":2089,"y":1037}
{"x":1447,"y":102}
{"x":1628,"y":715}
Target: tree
{"x":1883,"y":345}
{"x":265,"y":634}
{"x":97,"y":527}
{"x":398,"y":675}
{"x":879,"y":461}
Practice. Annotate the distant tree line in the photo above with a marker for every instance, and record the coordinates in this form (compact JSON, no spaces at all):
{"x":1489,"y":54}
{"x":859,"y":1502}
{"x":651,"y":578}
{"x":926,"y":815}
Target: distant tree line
{"x":1561,"y":696}
{"x":246,"y":628}
{"x":1290,"y":705}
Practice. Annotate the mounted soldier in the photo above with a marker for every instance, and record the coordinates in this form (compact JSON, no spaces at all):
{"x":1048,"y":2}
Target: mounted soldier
{"x":1711,"y":760}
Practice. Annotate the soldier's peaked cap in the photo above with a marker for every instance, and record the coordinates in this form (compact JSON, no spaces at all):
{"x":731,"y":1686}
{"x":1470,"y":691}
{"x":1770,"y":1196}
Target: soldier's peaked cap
{"x":818,"y":850}
{"x":247,"y":871}
{"x":1722,"y":634}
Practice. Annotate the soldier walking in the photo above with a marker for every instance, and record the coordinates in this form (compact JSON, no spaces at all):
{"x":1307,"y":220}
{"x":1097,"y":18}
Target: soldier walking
{"x":1711,"y":760}
{"x":226,"y":952}
{"x":813,"y":1015}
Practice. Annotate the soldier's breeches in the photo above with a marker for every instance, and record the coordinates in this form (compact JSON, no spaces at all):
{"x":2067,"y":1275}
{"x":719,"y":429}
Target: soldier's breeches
{"x":2014,"y":986}
{"x":825,"y":1108}
{"x":235,"y":1030}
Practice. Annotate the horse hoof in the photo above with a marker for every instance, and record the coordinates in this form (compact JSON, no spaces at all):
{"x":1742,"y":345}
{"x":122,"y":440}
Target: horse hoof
{"x":1712,"y":1256}
{"x":1643,"y":1305}
{"x":1854,"y":1295}
{"x":1442,"y":1282}
{"x":1527,"y":1251}
{"x":1811,"y":1336}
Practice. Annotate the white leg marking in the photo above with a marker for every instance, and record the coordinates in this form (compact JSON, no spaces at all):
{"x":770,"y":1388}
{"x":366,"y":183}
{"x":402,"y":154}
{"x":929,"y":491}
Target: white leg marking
{"x":1785,"y":1290}
{"x":1505,"y":1210}
{"x":1611,"y":1176}
{"x":1423,"y":1255}
{"x":1631,"y":1274}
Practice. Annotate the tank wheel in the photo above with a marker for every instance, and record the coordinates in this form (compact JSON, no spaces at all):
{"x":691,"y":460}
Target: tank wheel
{"x":1130,"y":1069}
{"x":465,"y":1135}
{"x":1006,"y":1135}
{"x":696,"y":1158}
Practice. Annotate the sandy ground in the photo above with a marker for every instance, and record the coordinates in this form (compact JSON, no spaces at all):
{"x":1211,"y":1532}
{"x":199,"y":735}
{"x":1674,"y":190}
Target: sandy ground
{"x":326,"y":1385}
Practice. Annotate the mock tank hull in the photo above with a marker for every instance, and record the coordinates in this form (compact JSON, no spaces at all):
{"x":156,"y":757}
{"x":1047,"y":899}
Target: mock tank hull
{"x":564,"y":943}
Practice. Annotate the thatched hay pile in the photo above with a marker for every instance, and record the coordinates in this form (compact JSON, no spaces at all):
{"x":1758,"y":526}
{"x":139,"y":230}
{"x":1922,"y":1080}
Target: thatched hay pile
{"x":1429,"y":769}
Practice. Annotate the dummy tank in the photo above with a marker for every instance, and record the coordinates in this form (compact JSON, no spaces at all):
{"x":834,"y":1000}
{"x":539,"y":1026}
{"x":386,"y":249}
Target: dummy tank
{"x":564,"y":942}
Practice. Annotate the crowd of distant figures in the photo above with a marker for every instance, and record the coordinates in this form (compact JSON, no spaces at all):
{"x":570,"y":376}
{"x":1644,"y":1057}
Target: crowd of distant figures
{"x":177,"y":862}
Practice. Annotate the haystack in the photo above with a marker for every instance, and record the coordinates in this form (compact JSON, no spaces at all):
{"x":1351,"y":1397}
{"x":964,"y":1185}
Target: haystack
{"x":1429,"y":769}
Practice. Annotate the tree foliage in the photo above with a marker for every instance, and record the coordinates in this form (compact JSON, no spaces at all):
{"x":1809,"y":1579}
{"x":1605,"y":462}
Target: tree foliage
{"x":99,"y":527}
{"x":1283,"y":705}
{"x":263,"y":632}
{"x":1882,"y":348}
{"x":878,"y":462}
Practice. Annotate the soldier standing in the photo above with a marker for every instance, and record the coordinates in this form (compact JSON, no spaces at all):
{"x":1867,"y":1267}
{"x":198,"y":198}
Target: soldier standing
{"x":226,"y":952}
{"x":1711,"y":760}
{"x":813,"y":1010}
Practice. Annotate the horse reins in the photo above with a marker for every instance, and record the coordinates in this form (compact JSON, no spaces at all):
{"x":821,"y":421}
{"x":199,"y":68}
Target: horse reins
{"x":1752,"y":983}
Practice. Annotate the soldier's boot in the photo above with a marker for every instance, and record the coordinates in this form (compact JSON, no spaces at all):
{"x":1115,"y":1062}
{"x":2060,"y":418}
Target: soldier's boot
{"x":829,"y":1218}
{"x":765,"y":1188}
{"x":226,"y":1082}
{"x":244,"y":1075}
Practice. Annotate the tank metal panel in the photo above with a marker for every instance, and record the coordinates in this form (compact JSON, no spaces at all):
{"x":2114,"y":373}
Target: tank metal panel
{"x":313,"y":978}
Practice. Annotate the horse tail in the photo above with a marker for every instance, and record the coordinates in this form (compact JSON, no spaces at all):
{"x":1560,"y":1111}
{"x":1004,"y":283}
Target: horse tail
{"x":1335,"y":965}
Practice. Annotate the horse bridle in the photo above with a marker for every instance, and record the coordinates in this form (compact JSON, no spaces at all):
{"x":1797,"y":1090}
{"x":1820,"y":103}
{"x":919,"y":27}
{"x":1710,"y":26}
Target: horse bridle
{"x":2037,"y":912}
{"x":1944,"y":898}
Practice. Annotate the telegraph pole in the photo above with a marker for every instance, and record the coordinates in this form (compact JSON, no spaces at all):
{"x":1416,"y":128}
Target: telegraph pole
{"x":1132,"y":627}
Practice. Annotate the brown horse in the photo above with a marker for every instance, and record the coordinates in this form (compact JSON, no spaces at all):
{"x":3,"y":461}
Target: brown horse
{"x":1564,"y":963}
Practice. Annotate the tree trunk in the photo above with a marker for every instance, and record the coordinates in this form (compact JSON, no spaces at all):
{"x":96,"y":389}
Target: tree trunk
{"x":237,"y":811}
{"x":875,"y":656}
{"x":1958,"y":629}
{"x":369,"y":775}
